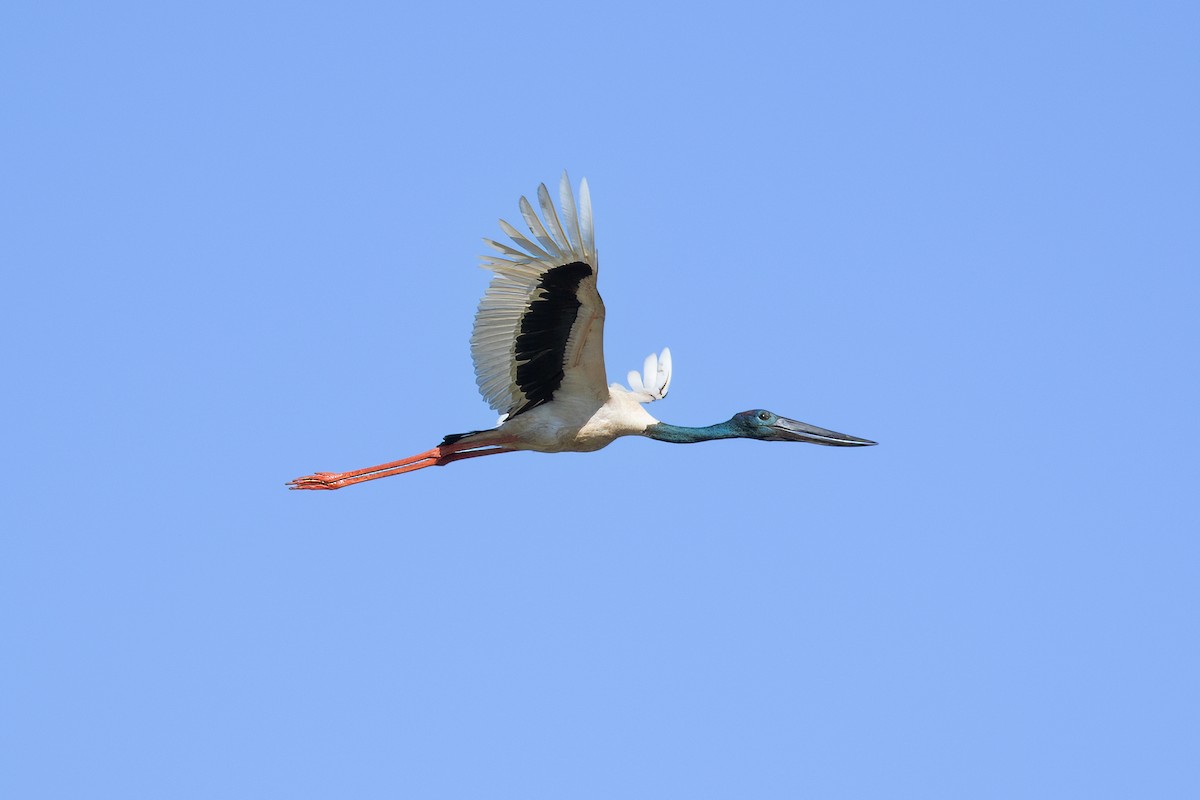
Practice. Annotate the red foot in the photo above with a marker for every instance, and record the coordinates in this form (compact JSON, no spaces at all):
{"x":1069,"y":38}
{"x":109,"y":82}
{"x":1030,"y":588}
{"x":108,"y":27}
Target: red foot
{"x":318,"y":480}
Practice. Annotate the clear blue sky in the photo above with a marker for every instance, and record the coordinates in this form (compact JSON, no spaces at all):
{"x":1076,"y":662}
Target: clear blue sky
{"x":239,"y":244}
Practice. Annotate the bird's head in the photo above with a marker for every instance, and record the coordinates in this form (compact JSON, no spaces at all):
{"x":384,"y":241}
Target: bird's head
{"x":770,"y":427}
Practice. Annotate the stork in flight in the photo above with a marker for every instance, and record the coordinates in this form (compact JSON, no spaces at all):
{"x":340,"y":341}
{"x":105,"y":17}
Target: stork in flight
{"x":538,"y":348}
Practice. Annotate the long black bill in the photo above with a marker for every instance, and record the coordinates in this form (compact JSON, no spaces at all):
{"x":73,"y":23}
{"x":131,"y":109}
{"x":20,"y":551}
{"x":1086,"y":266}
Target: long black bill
{"x":789,"y":430}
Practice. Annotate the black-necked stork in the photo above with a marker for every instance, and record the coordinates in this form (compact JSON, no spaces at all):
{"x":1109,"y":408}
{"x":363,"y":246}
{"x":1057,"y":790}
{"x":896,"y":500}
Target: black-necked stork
{"x":538,"y":348}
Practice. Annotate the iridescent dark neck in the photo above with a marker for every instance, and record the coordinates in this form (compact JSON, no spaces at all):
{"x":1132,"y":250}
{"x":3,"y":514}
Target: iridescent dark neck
{"x":678,"y":434}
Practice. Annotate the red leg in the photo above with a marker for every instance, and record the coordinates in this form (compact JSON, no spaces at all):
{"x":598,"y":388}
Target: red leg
{"x":438,"y":456}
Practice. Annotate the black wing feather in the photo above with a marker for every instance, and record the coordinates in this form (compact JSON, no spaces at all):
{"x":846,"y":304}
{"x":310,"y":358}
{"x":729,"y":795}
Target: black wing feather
{"x":541,"y":344}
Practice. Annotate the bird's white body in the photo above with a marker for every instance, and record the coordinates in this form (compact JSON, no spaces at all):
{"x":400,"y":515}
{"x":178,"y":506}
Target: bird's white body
{"x":572,"y":423}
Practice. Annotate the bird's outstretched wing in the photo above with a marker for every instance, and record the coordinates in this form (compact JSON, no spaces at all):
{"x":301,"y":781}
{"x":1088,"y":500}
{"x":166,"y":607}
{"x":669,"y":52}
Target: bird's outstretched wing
{"x":655,"y":380}
{"x":540,"y":326}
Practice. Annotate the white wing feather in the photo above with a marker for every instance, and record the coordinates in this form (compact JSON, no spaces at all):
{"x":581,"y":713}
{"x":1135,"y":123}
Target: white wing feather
{"x":655,"y":380}
{"x":518,"y":271}
{"x":567,"y":199}
{"x":585,"y":221}
{"x":553,"y":226}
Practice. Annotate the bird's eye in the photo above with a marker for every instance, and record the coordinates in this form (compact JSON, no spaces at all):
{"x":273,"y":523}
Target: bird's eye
{"x":764,"y":416}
